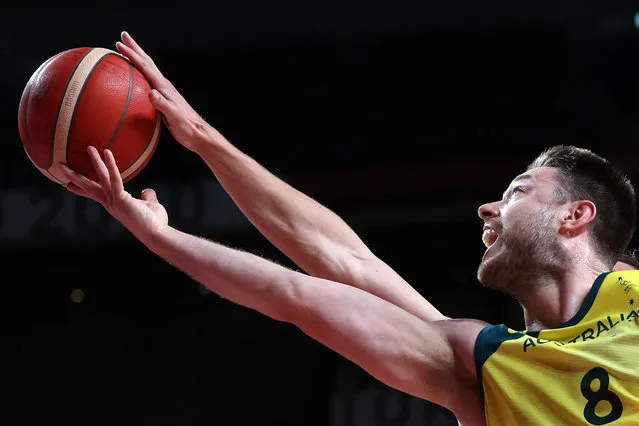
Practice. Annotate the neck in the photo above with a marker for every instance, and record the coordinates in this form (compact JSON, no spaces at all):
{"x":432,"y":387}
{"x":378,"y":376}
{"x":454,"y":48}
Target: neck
{"x":556,"y":301}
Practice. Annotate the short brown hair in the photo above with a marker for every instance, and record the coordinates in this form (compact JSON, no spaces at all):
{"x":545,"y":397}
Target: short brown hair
{"x":583,"y":175}
{"x":630,"y":257}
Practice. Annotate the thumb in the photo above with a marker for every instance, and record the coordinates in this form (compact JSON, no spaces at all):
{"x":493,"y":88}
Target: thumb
{"x":159,"y":101}
{"x":149,"y":195}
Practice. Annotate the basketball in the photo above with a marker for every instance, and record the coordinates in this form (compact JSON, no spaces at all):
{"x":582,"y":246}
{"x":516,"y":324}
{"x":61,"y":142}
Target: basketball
{"x":87,"y":96}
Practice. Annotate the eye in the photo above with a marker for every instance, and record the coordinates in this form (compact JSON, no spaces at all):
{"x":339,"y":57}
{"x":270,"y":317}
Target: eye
{"x":518,"y":189}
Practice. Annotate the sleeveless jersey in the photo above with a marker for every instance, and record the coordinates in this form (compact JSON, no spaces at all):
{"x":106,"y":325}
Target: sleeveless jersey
{"x":585,"y":372}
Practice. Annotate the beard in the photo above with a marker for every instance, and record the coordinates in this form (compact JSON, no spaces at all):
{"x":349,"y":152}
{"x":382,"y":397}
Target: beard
{"x":523,"y":256}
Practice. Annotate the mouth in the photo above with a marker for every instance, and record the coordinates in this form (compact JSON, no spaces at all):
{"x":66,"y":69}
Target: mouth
{"x":489,"y":237}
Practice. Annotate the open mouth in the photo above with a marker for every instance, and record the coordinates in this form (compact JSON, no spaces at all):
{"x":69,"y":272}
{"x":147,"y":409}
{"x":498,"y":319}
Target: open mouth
{"x":489,"y":237}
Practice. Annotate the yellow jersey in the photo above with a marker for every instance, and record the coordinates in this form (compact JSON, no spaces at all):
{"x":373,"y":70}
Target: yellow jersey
{"x":585,"y":372}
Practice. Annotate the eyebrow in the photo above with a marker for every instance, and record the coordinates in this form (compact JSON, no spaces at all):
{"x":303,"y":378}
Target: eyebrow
{"x":523,"y":176}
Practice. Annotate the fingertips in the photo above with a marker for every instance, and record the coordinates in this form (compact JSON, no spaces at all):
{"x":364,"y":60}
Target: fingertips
{"x":149,"y":194}
{"x":129,"y":41}
{"x":92,"y":151}
{"x":111,"y":164}
{"x":126,"y":39}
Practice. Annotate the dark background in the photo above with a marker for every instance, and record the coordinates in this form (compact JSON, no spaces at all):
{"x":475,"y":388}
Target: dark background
{"x":401,"y":117}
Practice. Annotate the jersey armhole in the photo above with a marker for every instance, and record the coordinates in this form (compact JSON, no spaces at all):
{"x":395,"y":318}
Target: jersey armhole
{"x":488,"y":341}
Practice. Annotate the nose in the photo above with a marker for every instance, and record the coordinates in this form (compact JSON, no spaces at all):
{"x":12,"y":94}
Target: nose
{"x":488,"y":210}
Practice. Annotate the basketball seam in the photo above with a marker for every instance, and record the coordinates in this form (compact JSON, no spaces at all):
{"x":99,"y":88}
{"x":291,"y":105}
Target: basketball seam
{"x":53,"y":177}
{"x":155,"y":135}
{"x":122,"y":117}
{"x":57,"y":117}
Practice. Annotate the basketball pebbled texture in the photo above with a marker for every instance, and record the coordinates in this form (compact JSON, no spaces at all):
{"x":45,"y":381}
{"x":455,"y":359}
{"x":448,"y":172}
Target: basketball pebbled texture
{"x":87,"y":96}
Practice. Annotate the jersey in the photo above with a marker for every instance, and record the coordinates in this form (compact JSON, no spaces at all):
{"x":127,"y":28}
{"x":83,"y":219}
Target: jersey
{"x":585,"y":372}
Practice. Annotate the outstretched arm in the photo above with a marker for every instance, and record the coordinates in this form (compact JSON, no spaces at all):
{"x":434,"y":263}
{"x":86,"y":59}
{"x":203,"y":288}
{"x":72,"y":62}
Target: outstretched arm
{"x":311,"y":235}
{"x":432,"y":360}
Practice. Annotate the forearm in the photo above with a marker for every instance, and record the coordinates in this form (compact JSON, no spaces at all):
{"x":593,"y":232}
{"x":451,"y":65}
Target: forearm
{"x":311,"y":235}
{"x":235,"y":275}
{"x":394,"y":346}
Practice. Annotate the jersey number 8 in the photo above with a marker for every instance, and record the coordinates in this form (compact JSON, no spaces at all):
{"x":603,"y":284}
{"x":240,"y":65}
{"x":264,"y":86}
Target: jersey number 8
{"x":600,"y":395}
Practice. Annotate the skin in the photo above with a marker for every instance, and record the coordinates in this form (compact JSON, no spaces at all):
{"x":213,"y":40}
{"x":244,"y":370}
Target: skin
{"x":407,"y":344}
{"x":623,"y":266}
{"x":548,"y":267}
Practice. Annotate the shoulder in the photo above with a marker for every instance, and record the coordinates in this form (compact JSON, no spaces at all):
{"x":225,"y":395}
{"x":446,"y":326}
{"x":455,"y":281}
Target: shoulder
{"x":488,"y":341}
{"x":462,"y":335}
{"x":628,"y":274}
{"x":626,"y":279}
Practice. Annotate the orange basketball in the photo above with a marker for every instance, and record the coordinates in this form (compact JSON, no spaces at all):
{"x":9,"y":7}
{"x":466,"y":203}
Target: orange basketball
{"x":87,"y":96}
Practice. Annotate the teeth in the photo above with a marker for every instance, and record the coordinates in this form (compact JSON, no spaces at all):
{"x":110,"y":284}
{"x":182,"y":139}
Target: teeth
{"x":489,"y":237}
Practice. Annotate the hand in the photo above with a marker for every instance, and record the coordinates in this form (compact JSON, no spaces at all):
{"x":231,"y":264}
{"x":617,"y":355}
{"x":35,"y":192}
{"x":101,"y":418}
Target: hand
{"x":142,"y":217}
{"x":186,"y":125}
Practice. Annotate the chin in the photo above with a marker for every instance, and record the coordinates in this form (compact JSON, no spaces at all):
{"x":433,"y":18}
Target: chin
{"x":484,"y":278}
{"x":483,"y":275}
{"x":491,"y":273}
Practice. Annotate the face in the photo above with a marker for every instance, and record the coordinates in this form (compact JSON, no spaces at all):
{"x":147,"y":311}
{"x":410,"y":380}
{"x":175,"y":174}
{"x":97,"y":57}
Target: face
{"x":521,"y":232}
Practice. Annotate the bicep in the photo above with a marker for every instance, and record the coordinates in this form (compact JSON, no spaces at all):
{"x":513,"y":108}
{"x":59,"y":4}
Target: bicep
{"x":392,"y":345}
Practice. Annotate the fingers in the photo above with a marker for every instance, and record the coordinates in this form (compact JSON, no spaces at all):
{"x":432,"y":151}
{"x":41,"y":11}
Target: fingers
{"x":83,"y":186}
{"x":138,"y":57}
{"x":128,"y":40}
{"x":77,"y":190}
{"x":117,"y":187}
{"x":160,"y":102}
{"x":133,"y":56}
{"x":149,"y":195}
{"x":108,"y":174}
{"x":100,"y":168}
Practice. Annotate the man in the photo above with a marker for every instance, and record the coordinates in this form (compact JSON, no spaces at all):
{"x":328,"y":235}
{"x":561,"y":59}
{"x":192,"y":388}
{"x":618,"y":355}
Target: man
{"x":551,"y":239}
{"x":311,"y":235}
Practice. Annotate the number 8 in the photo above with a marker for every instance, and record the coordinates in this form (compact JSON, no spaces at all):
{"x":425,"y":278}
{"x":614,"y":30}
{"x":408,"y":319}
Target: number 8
{"x":601,"y":394}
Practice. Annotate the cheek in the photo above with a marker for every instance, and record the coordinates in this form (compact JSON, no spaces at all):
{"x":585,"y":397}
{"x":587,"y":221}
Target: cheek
{"x":531,"y":222}
{"x":520,"y":218}
{"x":512,"y":216}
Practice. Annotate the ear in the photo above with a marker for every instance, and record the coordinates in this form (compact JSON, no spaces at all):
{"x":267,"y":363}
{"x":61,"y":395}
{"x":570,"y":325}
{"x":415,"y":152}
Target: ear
{"x":576,"y":220}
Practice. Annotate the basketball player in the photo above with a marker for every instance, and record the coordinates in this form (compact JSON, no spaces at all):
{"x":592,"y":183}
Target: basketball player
{"x":551,"y":238}
{"x":311,"y":235}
